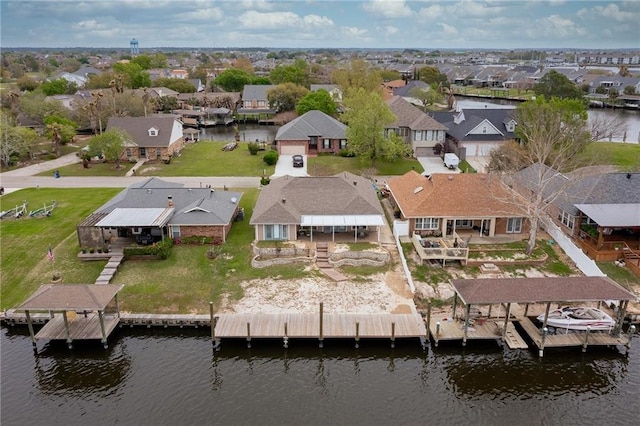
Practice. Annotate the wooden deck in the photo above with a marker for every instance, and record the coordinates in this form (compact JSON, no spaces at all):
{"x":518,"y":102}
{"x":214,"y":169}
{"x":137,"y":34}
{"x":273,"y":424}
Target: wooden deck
{"x":308,"y":326}
{"x":444,"y":250}
{"x":480,"y":329}
{"x":595,"y":338}
{"x":80,"y":328}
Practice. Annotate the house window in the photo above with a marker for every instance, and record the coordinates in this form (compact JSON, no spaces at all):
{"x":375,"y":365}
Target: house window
{"x":426,"y":223}
{"x":175,"y":232}
{"x":276,"y":232}
{"x":514,"y":225}
{"x":484,"y":129}
{"x":128,"y":153}
{"x":343,"y":144}
{"x":464,"y":223}
{"x":158,"y":154}
{"x":326,"y":143}
{"x":567,"y":219}
{"x":153,"y":131}
{"x":417,"y":135}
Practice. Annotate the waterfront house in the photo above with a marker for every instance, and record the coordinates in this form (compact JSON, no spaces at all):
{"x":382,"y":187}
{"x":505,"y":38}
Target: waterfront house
{"x":343,"y":207}
{"x":149,"y":211}
{"x":312,"y":133}
{"x":153,"y":138}
{"x":415,"y":127}
{"x":254,"y":104}
{"x":477,"y":132}
{"x":600,"y":211}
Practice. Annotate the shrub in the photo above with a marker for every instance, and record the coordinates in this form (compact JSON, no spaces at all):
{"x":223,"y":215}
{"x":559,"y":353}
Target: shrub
{"x":265,"y":181}
{"x":346,"y":153}
{"x":162,"y":249}
{"x":270,"y":158}
{"x":253,"y":148}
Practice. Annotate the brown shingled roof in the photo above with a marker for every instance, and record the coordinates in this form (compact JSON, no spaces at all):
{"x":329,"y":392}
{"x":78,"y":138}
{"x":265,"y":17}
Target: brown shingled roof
{"x":81,"y":297}
{"x":452,"y":195}
{"x":341,"y":194}
{"x":408,"y":115}
{"x":539,"y":290}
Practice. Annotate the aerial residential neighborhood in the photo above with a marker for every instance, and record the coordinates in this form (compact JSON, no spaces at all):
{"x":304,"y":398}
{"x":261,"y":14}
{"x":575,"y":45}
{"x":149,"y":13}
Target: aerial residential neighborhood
{"x":345,"y":212}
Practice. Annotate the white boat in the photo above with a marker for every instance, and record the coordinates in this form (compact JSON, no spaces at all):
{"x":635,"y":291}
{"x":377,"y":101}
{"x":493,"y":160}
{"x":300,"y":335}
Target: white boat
{"x":579,"y":318}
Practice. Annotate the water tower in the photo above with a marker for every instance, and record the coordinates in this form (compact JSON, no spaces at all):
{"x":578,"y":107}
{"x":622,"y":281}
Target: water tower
{"x":134,"y":46}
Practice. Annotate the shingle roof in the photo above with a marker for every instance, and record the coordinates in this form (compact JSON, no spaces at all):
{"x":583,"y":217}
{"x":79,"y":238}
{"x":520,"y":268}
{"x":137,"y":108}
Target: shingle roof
{"x":312,"y":123}
{"x":464,"y":195}
{"x":405,"y":90}
{"x":192,"y":206}
{"x":81,"y":297}
{"x":256,"y":91}
{"x":138,"y":129}
{"x":472,"y":118}
{"x":411,"y":116}
{"x":342,"y":194}
{"x":548,"y":289}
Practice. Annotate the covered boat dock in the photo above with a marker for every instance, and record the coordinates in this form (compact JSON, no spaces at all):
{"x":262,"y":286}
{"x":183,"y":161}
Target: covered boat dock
{"x":77,"y":312}
{"x":510,"y":293}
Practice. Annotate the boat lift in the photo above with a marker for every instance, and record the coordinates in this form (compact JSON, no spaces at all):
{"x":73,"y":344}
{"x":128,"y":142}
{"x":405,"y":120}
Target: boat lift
{"x":44,"y":210}
{"x":16,"y":212}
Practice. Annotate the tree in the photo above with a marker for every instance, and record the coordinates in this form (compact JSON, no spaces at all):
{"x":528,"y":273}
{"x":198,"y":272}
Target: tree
{"x":427,"y":95}
{"x":15,"y":141}
{"x":285,"y":96}
{"x":629,"y":90}
{"x":297,"y":73}
{"x":552,"y":133}
{"x":317,"y":100}
{"x":432,"y":76}
{"x":111,"y":144}
{"x":135,"y":76}
{"x":143,"y":60}
{"x":555,"y":85}
{"x":358,"y":74}
{"x":60,"y":130}
{"x":390,"y":75}
{"x":179,"y":85}
{"x":244,"y":64}
{"x":233,"y":79}
{"x":34,"y":106}
{"x":26,"y":83}
{"x":367,"y":118}
{"x":57,"y":87}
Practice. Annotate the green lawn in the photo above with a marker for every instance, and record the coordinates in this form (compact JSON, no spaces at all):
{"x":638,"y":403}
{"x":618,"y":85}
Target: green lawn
{"x":95,"y":169}
{"x":327,"y":165}
{"x":206,"y":158}
{"x":622,"y":276}
{"x":186,"y":282}
{"x":626,"y":156}
{"x":25,"y":241}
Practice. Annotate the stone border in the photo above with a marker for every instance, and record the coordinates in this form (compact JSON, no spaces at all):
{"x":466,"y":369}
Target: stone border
{"x":359,"y":258}
{"x":279,"y":261}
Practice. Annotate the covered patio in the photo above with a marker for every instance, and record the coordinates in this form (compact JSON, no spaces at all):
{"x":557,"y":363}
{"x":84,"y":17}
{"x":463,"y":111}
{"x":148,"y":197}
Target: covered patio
{"x":77,"y":311}
{"x":345,"y":227}
{"x":146,"y":225}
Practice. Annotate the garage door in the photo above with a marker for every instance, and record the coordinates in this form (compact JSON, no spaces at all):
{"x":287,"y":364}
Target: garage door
{"x":424,"y":152}
{"x":480,"y":149}
{"x":292,"y":149}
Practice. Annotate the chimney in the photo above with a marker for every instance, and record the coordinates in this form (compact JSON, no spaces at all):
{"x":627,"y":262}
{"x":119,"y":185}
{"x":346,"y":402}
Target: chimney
{"x":169,"y":201}
{"x":628,"y":175}
{"x":284,"y":200}
{"x":355,"y":183}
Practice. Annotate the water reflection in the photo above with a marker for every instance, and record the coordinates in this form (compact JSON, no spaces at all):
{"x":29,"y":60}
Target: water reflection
{"x":522,"y":375}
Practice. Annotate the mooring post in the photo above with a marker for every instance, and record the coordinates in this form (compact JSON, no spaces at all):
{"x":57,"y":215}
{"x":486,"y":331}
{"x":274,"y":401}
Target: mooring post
{"x":357,"y":334}
{"x":632,"y":331}
{"x":66,"y":327}
{"x":212,"y":322}
{"x":586,"y":339}
{"x":437,"y":337}
{"x":31,"y":332}
{"x":320,"y":335}
{"x":249,"y":335}
{"x":544,"y":335}
{"x":455,"y":303}
{"x":428,"y":321}
{"x":285,"y":339}
{"x":526,"y":309}
{"x":466,"y":325}
{"x":102,"y":330}
{"x":489,"y":313}
{"x":393,"y":335}
{"x":506,"y":320}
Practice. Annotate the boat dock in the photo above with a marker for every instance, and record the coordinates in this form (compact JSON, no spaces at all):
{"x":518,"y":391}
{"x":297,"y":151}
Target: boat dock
{"x":444,"y":327}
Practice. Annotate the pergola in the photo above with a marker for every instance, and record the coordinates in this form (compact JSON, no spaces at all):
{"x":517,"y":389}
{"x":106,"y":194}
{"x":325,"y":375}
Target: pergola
{"x":77,"y":312}
{"x":342,"y":221}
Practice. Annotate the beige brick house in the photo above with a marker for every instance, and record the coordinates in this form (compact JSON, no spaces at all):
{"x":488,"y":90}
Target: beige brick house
{"x":153,"y":138}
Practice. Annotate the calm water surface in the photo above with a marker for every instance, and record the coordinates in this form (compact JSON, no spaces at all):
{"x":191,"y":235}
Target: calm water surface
{"x":173,"y":377}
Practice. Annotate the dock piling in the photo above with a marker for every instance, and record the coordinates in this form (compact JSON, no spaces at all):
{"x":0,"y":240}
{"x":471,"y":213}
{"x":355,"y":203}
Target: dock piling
{"x":320,"y":336}
{"x":248,"y":335}
{"x":544,"y":335}
{"x":285,"y":339}
{"x":437,"y":337}
{"x":357,"y":334}
{"x":586,"y":339}
{"x":393,"y":335}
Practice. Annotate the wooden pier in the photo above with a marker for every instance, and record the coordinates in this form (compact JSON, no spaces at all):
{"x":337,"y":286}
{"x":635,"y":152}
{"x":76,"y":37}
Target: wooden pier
{"x":445,"y":327}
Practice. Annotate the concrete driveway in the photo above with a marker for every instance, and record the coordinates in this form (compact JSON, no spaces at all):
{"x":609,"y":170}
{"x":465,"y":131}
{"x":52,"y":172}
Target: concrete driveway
{"x":433,"y":165}
{"x":284,"y":166}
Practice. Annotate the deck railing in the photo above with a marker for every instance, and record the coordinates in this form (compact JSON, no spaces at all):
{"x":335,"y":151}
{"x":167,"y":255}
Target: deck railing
{"x":438,"y":249}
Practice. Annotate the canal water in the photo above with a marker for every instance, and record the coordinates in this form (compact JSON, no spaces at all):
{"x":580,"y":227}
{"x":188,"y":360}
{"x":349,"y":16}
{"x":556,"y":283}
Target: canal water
{"x":174,"y":377}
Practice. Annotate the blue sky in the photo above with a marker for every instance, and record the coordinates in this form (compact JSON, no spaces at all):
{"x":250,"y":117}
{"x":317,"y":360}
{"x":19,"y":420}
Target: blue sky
{"x":322,"y":23}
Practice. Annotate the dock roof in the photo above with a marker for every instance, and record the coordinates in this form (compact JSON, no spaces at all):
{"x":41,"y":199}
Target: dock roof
{"x":539,"y":290}
{"x":70,"y":297}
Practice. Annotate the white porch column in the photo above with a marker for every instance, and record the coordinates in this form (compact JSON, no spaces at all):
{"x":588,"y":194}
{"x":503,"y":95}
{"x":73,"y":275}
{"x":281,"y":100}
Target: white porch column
{"x":492,"y":227}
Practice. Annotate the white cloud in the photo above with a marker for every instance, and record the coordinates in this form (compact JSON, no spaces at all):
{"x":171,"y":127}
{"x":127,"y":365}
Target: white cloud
{"x":89,"y":25}
{"x":431,"y":12}
{"x":448,"y":30}
{"x":556,"y":25}
{"x":387,"y":30}
{"x":270,"y":20}
{"x":470,"y":8}
{"x":612,"y":11}
{"x":260,"y":5}
{"x":317,"y":21}
{"x":354,"y":32}
{"x":388,"y":8}
{"x":209,"y":14}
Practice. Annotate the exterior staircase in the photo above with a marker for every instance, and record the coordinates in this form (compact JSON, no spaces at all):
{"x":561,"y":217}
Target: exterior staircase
{"x":632,"y":259}
{"x":322,"y":260}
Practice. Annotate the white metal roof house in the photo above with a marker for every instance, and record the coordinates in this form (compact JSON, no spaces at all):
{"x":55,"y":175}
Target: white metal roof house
{"x":154,"y":209}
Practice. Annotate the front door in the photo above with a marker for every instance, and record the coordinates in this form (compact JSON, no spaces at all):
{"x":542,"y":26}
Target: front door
{"x":143,"y":152}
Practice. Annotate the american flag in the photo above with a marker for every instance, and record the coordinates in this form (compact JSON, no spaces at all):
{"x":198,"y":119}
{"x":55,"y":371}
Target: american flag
{"x":50,"y":254}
